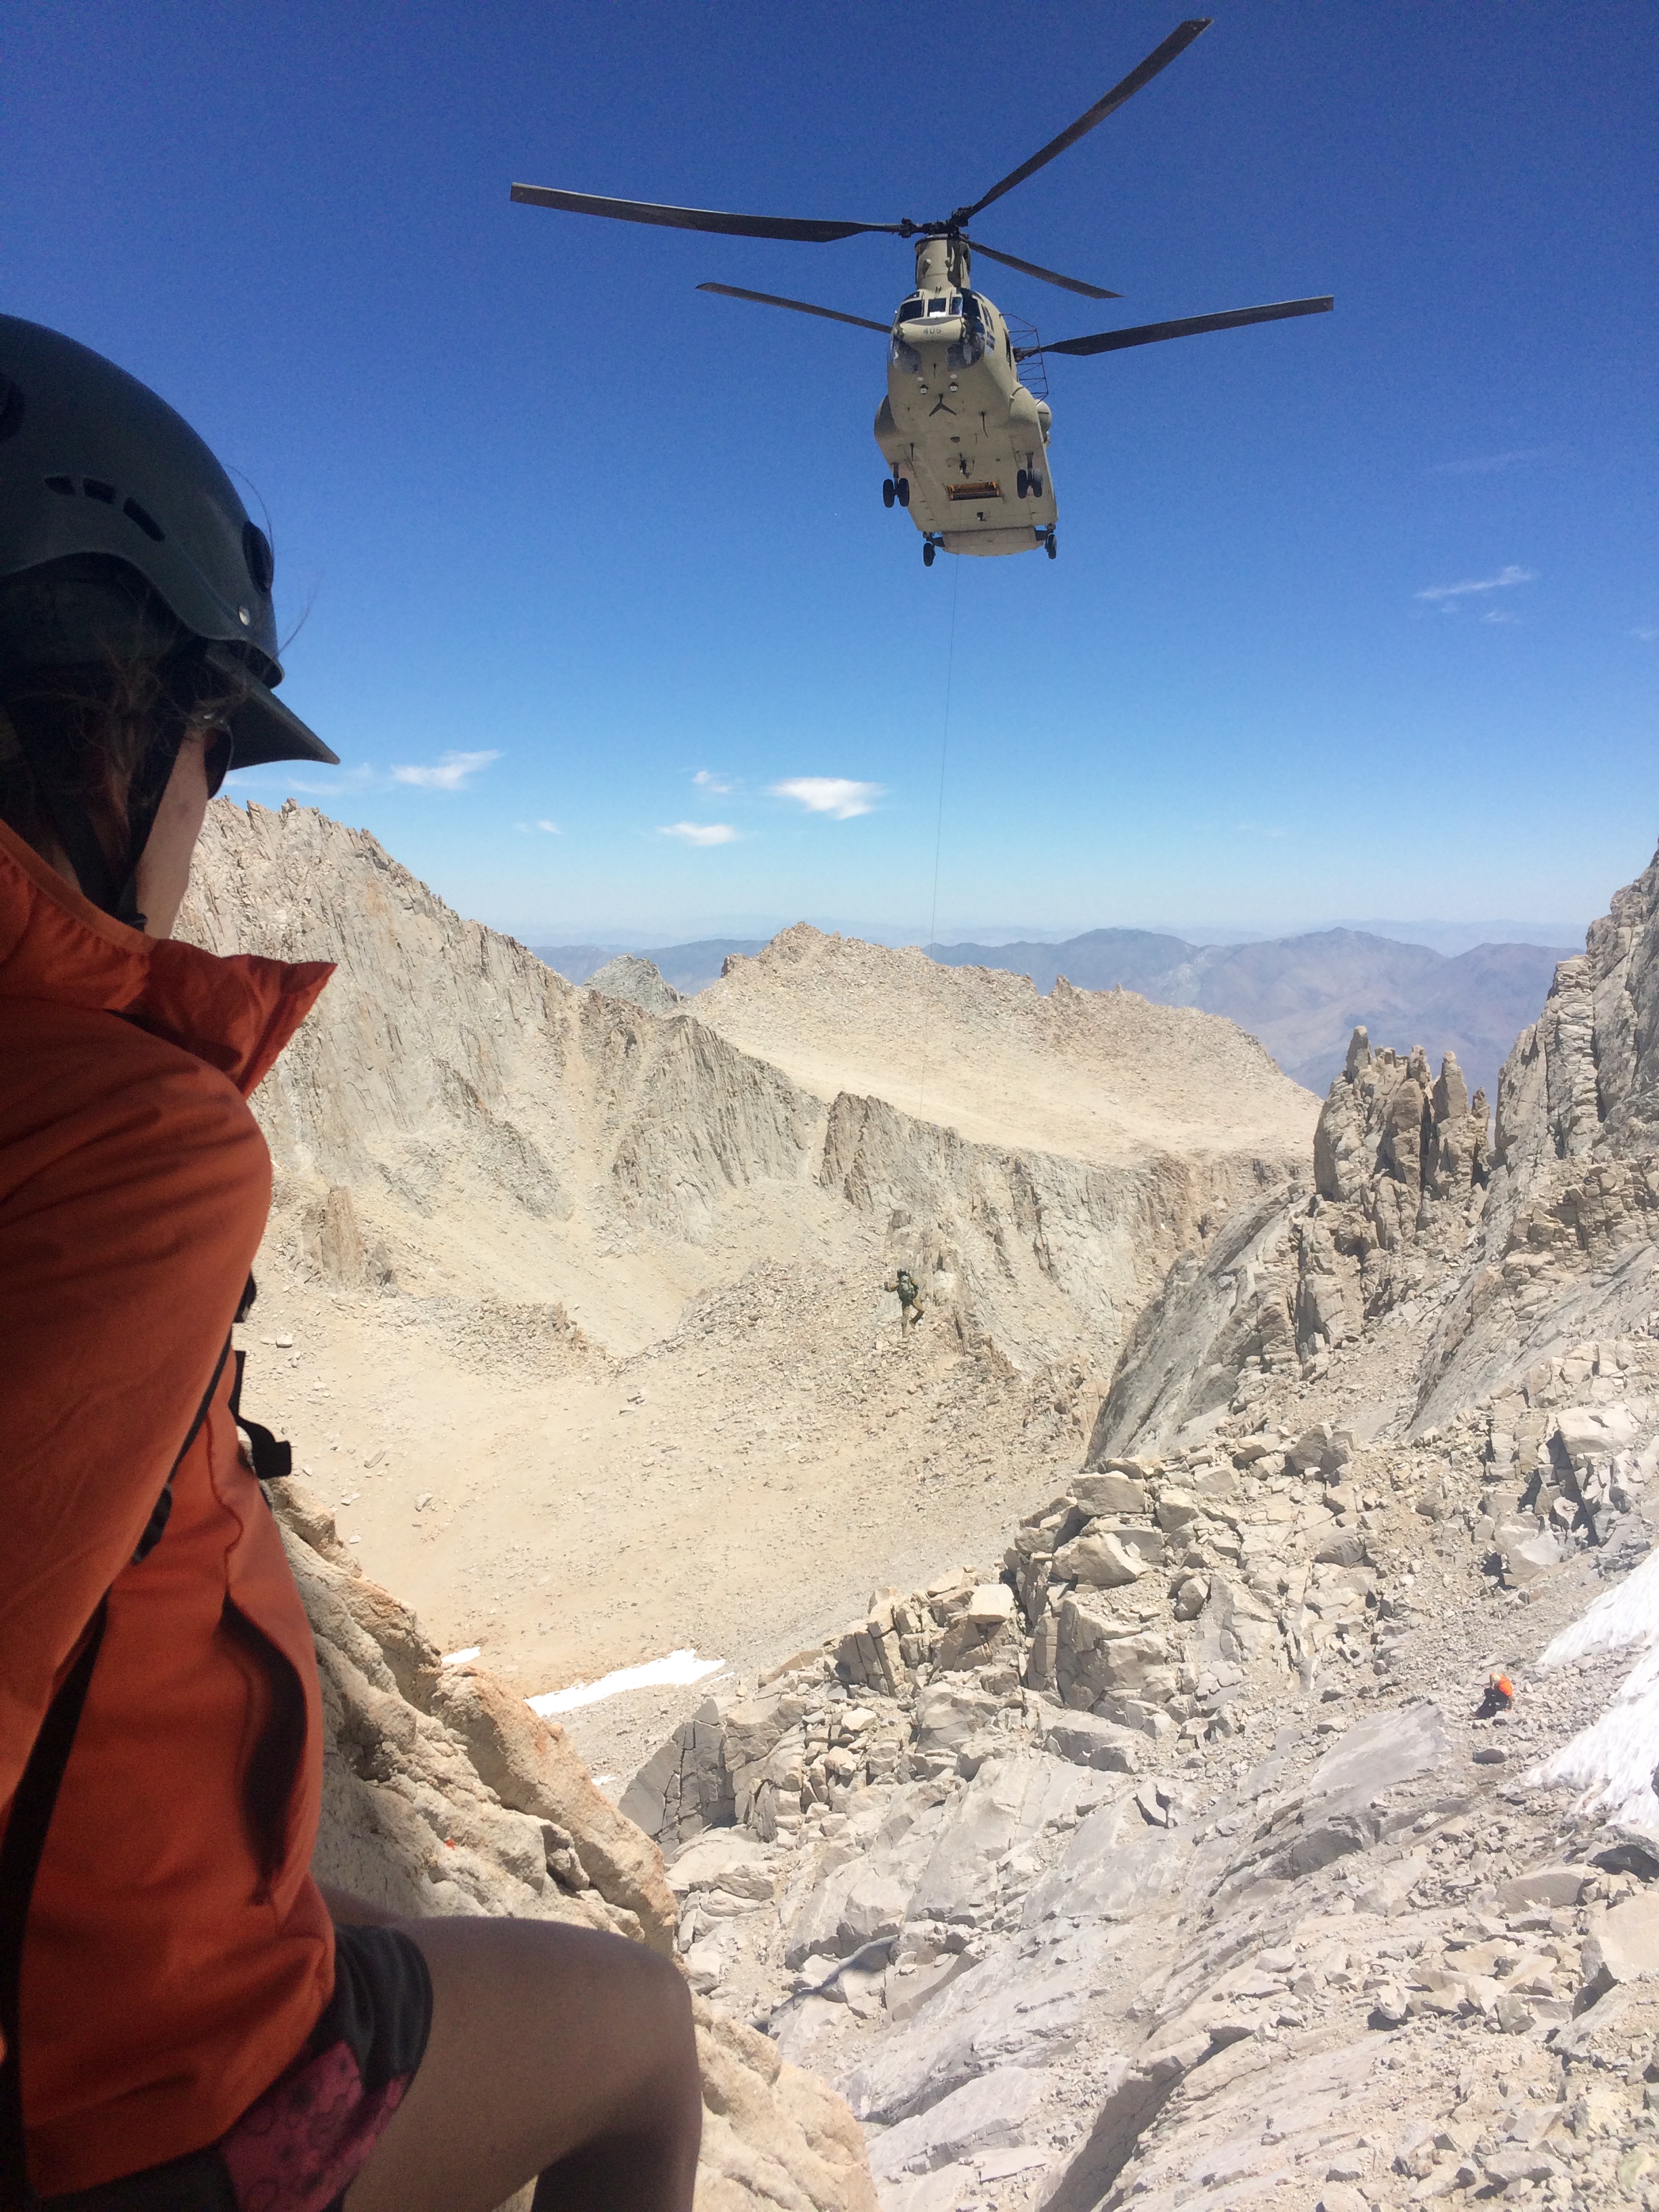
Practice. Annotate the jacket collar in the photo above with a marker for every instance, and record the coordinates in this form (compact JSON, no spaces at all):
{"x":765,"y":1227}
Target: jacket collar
{"x":236,"y":1012}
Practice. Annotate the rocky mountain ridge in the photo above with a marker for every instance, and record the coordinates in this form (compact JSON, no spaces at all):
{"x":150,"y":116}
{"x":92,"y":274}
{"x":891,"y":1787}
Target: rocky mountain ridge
{"x":1302,"y":996}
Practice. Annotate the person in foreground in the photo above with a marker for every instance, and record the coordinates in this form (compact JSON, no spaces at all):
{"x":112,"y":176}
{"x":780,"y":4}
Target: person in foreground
{"x":188,"y":2022}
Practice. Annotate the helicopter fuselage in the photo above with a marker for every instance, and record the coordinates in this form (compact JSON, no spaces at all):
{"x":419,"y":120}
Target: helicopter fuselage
{"x":959,"y":428}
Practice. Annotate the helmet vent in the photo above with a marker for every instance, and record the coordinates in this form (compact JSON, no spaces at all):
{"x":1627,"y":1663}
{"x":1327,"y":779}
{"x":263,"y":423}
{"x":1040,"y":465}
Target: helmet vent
{"x":256,"y":551}
{"x":145,"y":520}
{"x":11,"y":408}
{"x":95,"y":487}
{"x":65,"y":485}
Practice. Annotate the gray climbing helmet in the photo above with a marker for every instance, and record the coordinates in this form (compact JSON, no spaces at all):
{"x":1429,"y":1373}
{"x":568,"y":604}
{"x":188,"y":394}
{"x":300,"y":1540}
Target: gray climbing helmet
{"x":105,"y":491}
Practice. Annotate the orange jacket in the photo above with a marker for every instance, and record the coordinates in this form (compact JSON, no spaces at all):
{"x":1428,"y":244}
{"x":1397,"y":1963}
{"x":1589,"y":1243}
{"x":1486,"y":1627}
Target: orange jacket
{"x":178,"y":1952}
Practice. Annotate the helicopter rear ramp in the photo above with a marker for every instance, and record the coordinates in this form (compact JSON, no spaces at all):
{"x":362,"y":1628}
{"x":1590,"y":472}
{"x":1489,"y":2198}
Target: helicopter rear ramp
{"x":1024,"y":539}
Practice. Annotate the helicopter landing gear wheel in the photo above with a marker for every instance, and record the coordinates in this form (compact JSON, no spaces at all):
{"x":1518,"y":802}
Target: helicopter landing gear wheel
{"x":889,"y":494}
{"x":1021,"y":485}
{"x":902,"y":486}
{"x":928,"y":552}
{"x":1053,"y":553}
{"x":1035,"y":483}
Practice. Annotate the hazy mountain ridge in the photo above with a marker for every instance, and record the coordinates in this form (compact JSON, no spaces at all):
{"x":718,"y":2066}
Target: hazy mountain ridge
{"x":1302,"y":996}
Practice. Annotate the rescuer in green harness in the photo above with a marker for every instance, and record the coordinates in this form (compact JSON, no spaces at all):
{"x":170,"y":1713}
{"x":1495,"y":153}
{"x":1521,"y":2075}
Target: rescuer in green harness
{"x":909,"y":1298}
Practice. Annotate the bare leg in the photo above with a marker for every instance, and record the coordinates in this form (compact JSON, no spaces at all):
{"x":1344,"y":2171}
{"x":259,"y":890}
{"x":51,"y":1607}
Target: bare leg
{"x":555,"y":2052}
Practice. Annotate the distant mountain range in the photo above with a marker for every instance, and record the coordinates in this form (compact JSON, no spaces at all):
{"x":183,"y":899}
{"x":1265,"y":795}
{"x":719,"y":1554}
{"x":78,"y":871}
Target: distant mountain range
{"x":1302,"y":996}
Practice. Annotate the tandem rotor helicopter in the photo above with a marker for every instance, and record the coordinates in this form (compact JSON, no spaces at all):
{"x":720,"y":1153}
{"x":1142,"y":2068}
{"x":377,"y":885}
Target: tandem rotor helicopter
{"x":966,"y":441}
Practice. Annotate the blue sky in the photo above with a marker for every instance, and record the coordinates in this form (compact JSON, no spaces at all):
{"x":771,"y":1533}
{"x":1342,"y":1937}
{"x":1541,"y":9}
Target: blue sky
{"x":1354,"y":616}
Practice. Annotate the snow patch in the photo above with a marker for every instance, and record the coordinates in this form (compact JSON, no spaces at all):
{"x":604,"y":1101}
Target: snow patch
{"x":460,"y":1658}
{"x":678,"y":1668}
{"x":1611,"y":1763}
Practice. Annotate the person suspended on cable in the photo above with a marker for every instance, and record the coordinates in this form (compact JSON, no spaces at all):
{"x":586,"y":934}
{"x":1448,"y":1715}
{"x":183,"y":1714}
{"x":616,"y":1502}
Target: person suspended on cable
{"x":187,"y":2018}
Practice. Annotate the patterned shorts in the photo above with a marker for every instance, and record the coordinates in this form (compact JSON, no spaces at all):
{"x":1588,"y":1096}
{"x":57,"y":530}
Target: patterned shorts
{"x":301,"y":2146}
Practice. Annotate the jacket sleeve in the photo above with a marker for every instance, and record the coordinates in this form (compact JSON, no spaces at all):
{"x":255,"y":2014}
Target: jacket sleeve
{"x":134,"y":1186}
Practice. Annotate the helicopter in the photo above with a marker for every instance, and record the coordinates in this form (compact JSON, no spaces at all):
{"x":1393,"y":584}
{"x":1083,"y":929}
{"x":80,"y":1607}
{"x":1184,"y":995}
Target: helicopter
{"x":965,"y":440}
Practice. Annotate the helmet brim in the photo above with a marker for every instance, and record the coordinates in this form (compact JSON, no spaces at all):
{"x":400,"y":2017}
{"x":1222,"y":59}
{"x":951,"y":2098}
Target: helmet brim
{"x":263,"y":730}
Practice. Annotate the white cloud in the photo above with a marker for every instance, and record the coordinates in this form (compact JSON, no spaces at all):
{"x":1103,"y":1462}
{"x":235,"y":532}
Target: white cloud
{"x":451,"y":772}
{"x":706,"y":779}
{"x":1444,"y":595}
{"x":1645,"y":632}
{"x":327,"y":783}
{"x":700,"y":833}
{"x":1487,"y":464}
{"x":1500,"y":614}
{"x":551,"y":828}
{"x":836,"y":795}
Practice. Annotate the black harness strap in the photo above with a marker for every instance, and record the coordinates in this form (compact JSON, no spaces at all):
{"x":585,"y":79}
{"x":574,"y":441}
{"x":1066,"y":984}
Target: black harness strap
{"x":31,"y":1816}
{"x":273,"y":1457}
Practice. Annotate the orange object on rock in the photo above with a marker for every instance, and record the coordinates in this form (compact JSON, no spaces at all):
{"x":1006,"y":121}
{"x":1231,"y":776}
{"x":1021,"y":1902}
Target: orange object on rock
{"x":178,"y":1952}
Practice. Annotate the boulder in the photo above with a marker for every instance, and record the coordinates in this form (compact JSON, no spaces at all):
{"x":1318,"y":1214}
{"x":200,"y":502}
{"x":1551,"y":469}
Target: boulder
{"x":946,"y":1715}
{"x":1099,"y":1561}
{"x":1111,"y":1493}
{"x":990,"y":1604}
{"x":1623,"y":1945}
{"x":1550,"y":1887}
{"x":1591,"y":1432}
{"x":1087,"y":1741}
{"x":724,"y":1859}
{"x":1525,"y":1551}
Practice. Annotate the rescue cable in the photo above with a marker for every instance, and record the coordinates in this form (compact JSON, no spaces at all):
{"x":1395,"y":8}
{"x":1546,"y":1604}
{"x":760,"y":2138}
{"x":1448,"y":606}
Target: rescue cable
{"x":939,"y":825}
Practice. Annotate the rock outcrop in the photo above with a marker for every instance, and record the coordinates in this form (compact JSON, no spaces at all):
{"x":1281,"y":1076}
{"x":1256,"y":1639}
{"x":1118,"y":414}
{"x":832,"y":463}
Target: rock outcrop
{"x":444,"y":1793}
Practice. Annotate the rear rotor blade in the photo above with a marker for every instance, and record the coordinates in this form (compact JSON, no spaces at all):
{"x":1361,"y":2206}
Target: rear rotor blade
{"x":1048,"y":275}
{"x":1190,"y":326}
{"x":1177,"y":43}
{"x":801,"y":229}
{"x":800,"y":306}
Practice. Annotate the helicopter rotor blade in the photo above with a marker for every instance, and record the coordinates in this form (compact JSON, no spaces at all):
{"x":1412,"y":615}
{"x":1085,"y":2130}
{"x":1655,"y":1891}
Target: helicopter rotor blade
{"x":1160,"y":58}
{"x":1190,"y":326}
{"x":1048,"y":275}
{"x":802,"y":230}
{"x":800,"y":306}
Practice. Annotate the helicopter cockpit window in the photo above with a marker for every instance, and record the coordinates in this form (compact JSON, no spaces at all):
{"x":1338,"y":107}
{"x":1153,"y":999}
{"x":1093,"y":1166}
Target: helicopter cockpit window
{"x":910,"y":310}
{"x":938,"y":307}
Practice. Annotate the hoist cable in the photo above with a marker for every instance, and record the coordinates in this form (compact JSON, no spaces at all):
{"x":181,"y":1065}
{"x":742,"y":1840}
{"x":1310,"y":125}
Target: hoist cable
{"x":939,"y":825}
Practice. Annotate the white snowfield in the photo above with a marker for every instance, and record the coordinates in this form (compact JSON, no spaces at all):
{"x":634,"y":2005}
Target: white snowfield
{"x":1613,"y":1762}
{"x":678,"y":1668}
